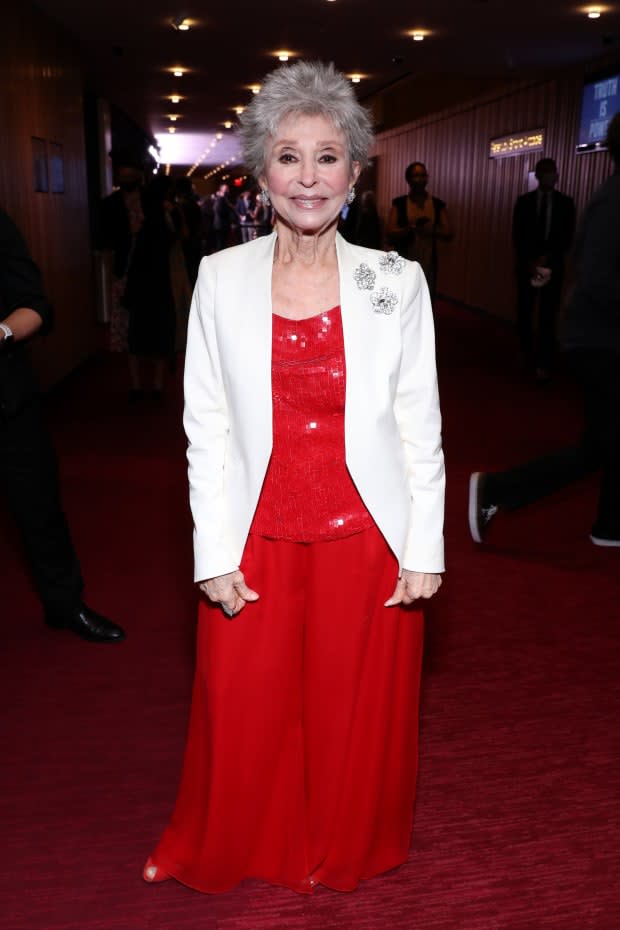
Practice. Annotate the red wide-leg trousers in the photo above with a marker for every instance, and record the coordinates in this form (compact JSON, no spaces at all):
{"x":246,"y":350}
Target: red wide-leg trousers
{"x":301,"y":757}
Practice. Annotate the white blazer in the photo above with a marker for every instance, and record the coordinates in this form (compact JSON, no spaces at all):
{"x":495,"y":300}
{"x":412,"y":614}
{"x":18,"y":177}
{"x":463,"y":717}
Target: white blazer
{"x":392,"y":419}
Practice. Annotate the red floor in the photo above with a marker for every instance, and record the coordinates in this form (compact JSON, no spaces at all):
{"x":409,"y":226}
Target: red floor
{"x":518,"y":800}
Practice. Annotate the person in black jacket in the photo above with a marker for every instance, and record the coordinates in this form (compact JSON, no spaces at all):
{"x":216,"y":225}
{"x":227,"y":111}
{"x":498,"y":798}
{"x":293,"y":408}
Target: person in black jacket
{"x":28,"y":467}
{"x":416,"y":223}
{"x":224,"y":217}
{"x":590,"y":339}
{"x":543,"y":226}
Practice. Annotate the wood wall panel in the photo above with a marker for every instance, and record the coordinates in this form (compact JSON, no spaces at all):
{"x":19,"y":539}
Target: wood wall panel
{"x":41,"y":95}
{"x":477,"y":267}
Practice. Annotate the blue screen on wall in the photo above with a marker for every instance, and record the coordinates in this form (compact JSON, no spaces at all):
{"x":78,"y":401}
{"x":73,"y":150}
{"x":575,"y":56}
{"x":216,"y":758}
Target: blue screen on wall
{"x":600,"y":101}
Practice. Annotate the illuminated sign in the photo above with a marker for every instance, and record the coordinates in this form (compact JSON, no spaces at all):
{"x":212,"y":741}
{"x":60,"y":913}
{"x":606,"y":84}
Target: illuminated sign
{"x":600,"y":100}
{"x":518,"y":143}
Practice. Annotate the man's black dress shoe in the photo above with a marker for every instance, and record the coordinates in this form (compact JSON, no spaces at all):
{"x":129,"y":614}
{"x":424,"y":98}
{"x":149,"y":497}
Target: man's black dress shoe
{"x":88,"y":624}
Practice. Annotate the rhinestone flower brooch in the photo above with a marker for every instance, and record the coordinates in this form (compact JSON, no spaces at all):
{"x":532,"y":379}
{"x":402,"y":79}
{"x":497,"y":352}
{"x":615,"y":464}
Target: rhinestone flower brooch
{"x":383,"y":300}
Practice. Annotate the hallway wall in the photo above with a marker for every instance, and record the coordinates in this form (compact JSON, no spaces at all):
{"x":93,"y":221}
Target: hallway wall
{"x":477,"y":267}
{"x":41,"y":96}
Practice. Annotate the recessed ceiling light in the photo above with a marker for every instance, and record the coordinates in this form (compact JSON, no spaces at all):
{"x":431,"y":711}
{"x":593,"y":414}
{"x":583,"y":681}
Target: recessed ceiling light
{"x":180,"y":23}
{"x":283,"y":55}
{"x":355,"y":78}
{"x":417,"y":36}
{"x":239,"y":110}
{"x":175,"y":99}
{"x":255,"y":88}
{"x":218,"y":135}
{"x":594,"y":13}
{"x":178,"y":72}
{"x":227,"y":124}
{"x":171,"y":129}
{"x":173,"y":117}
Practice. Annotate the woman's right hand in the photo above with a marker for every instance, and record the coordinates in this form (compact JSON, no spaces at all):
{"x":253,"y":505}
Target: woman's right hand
{"x":230,"y":591}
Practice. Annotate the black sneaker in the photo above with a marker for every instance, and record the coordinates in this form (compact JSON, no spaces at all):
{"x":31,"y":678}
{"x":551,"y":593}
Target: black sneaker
{"x":602,"y":539}
{"x":481,"y":512}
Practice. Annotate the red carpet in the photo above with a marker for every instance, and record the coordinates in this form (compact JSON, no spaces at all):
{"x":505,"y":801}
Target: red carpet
{"x":518,"y":800}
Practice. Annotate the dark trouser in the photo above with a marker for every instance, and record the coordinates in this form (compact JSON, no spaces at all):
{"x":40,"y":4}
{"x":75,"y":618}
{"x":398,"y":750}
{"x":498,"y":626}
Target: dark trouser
{"x":29,"y":477}
{"x":598,"y":374}
{"x":540,"y":348}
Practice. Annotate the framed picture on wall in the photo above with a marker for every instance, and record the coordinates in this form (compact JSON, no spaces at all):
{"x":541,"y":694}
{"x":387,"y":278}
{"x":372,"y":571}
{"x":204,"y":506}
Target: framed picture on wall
{"x":57,"y":168}
{"x":39,"y":165}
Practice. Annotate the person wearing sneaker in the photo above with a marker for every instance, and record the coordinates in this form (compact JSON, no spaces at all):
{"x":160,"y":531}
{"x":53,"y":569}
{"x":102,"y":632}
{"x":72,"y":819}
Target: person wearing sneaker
{"x":591,"y":341}
{"x":28,"y":468}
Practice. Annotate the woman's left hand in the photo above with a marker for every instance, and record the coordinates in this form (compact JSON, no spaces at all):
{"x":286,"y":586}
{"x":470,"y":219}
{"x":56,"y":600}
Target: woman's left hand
{"x":413,"y":585}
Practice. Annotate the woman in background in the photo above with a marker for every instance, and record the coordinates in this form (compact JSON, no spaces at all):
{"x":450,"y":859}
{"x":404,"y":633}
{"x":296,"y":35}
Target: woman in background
{"x":417,"y":222}
{"x":149,"y":294}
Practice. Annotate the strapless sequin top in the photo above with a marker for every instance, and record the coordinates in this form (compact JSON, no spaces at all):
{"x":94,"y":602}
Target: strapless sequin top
{"x":308,"y":494}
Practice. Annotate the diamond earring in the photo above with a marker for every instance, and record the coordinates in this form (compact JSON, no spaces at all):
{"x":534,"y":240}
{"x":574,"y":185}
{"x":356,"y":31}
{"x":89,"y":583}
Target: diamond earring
{"x":264,"y":196}
{"x":350,"y":197}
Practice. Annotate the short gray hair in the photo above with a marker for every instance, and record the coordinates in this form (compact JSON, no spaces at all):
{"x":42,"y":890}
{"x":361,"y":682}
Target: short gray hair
{"x":310,"y":88}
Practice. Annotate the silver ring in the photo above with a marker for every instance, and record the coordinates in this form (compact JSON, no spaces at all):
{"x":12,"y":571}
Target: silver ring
{"x":227,"y":610}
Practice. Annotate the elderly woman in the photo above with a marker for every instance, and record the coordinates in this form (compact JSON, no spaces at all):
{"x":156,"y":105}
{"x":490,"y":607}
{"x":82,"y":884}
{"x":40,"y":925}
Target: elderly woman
{"x":316,"y":483}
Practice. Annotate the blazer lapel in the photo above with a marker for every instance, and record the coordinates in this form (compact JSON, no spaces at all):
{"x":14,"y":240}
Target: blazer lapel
{"x":357,"y":335}
{"x":351,"y":309}
{"x":247,"y":327}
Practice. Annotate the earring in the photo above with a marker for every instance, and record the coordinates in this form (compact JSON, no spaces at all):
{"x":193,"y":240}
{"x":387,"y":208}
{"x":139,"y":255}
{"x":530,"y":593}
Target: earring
{"x":350,"y":197}
{"x":264,"y":197}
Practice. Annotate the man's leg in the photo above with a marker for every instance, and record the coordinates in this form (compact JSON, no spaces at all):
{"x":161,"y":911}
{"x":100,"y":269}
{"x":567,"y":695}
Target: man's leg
{"x":548,"y":306}
{"x":599,"y":444}
{"x":526,"y":296}
{"x":30,"y":478}
{"x":599,"y":373}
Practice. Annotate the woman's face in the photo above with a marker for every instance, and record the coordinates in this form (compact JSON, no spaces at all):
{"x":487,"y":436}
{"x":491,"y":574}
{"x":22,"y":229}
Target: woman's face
{"x":308,"y":172}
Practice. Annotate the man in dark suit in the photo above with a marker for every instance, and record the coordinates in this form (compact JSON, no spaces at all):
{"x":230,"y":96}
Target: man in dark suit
{"x":28,"y":467}
{"x":224,"y":217}
{"x":543,"y":227}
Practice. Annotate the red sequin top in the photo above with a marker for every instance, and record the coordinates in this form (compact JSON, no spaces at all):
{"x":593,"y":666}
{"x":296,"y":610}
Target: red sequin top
{"x":308,"y":494}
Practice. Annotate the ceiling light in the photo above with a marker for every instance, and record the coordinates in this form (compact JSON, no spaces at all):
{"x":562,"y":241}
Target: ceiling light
{"x":218,"y":135}
{"x":180,"y":23}
{"x":173,"y":117}
{"x":171,"y":129}
{"x":594,"y":13}
{"x":355,"y":78}
{"x":227,"y":124}
{"x":255,"y":88}
{"x":175,"y":99}
{"x":283,"y":56}
{"x":178,"y":72}
{"x":239,"y":110}
{"x":417,"y":36}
